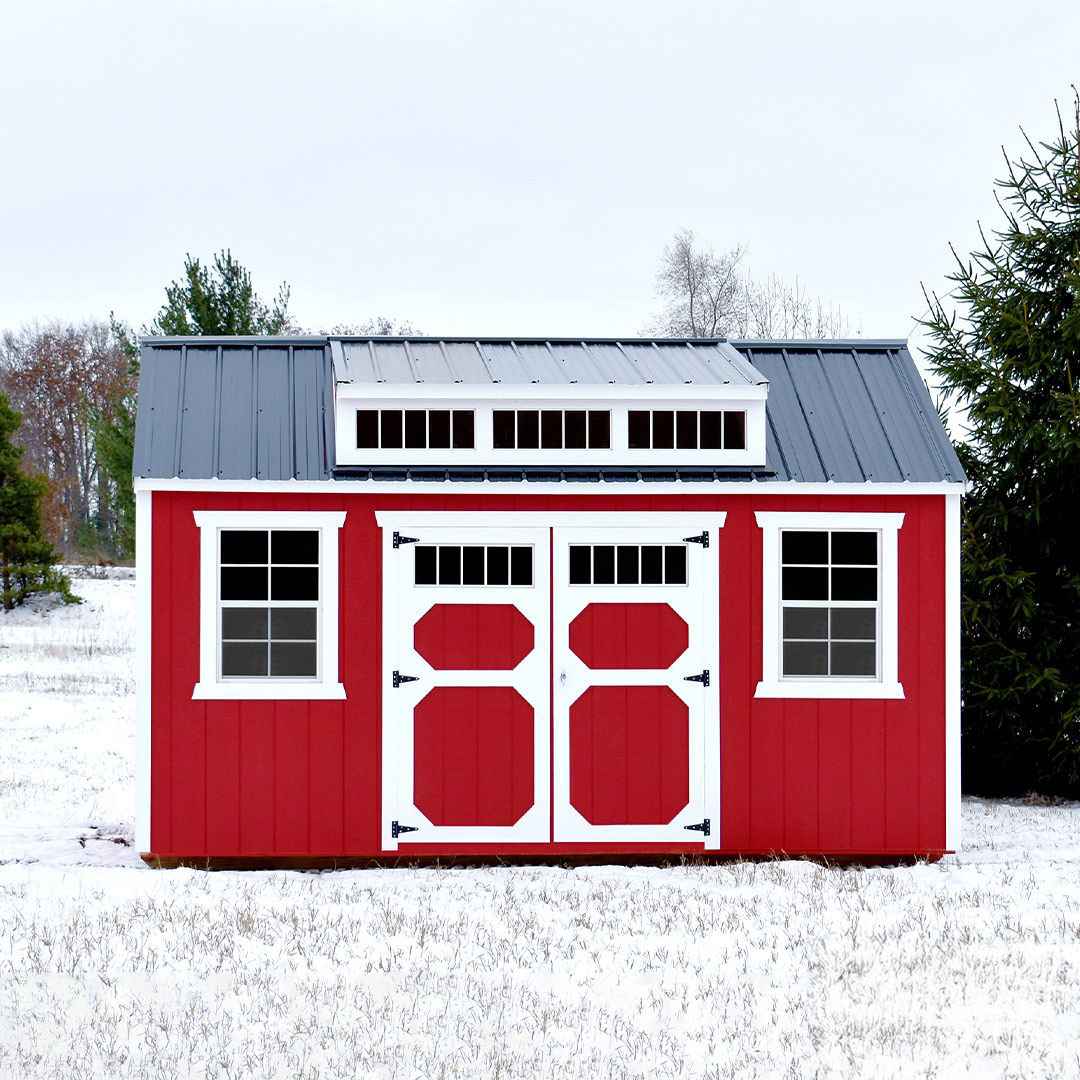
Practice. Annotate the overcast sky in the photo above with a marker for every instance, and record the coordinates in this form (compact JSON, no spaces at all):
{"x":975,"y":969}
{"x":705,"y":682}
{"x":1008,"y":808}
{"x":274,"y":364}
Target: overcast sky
{"x":502,"y":168}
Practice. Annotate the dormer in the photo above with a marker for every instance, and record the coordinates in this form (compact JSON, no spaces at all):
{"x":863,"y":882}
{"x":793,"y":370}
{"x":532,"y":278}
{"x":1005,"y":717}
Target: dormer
{"x":533,"y":402}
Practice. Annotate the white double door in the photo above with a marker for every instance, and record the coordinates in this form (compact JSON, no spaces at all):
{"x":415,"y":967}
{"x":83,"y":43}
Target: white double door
{"x":549,"y":678}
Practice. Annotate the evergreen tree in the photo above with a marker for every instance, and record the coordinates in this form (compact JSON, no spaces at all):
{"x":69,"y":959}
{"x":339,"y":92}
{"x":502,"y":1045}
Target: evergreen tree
{"x":1009,"y":363}
{"x":204,"y":301}
{"x":27,"y":561}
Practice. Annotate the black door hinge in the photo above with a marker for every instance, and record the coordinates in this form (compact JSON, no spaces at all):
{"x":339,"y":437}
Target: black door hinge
{"x":396,"y":829}
{"x":399,"y":539}
{"x":702,"y":539}
{"x":703,"y":827}
{"x":399,"y":679}
{"x":703,"y":678}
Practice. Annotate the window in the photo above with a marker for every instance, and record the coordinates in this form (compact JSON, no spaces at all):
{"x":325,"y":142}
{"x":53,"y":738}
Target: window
{"x":415,"y":429}
{"x":829,"y":588}
{"x":627,"y":564}
{"x":830,"y":603}
{"x":473,"y":564}
{"x":268,"y":605}
{"x":551,"y":429}
{"x":686,"y":429}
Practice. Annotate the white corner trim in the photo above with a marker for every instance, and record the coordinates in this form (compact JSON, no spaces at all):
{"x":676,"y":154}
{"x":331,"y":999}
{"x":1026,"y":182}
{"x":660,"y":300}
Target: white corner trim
{"x":829,"y":689}
{"x":327,"y":686}
{"x":952,"y":673}
{"x":143,"y":669}
{"x":772,"y":685}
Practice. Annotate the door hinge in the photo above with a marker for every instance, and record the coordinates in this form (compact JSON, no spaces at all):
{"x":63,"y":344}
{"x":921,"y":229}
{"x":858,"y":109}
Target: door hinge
{"x":397,"y":829}
{"x":702,"y":539}
{"x":703,"y":678}
{"x":399,"y":679}
{"x":703,"y":827}
{"x":399,"y":540}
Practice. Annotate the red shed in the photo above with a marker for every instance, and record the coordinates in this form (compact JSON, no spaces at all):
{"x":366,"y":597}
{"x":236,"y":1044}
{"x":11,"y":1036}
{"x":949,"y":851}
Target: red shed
{"x":431,"y":597}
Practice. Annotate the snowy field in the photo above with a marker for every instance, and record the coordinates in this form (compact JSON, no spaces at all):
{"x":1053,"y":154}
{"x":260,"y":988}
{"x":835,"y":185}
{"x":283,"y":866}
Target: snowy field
{"x":970,"y":967}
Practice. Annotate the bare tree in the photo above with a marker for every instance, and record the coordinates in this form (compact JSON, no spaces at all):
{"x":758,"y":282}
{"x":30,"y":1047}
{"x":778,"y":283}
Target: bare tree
{"x":59,"y":375}
{"x":711,"y":295}
{"x":380,"y":326}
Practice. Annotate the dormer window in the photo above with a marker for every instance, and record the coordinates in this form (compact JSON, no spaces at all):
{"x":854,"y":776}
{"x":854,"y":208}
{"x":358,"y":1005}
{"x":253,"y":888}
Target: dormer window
{"x":687,"y":429}
{"x":415,"y":429}
{"x":551,"y":429}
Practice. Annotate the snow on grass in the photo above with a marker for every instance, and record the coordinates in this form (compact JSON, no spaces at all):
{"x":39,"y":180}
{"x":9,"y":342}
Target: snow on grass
{"x":967,"y":967}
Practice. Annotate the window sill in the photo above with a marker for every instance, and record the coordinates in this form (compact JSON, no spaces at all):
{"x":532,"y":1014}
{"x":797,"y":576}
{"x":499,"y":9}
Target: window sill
{"x":831,"y":689}
{"x":268,"y":691}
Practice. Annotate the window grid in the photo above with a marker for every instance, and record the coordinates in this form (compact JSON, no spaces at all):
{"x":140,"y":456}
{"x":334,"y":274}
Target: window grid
{"x":415,"y":429}
{"x":551,"y":429}
{"x":269,"y":605}
{"x":686,"y":429}
{"x":473,"y":565}
{"x":628,"y":564}
{"x":831,"y":606}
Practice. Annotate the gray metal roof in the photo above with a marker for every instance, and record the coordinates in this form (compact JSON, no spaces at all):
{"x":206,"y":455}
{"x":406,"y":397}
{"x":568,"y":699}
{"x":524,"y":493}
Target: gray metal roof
{"x":235,"y":409}
{"x":262,"y":408}
{"x":525,"y":361}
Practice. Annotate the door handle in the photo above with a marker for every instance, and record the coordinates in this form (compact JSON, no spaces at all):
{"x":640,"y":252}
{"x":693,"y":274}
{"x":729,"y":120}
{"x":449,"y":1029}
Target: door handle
{"x":562,"y":677}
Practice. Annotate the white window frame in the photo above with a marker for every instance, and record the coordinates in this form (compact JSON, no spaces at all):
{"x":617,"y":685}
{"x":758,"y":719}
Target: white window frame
{"x":266,"y":688}
{"x":773,"y":684}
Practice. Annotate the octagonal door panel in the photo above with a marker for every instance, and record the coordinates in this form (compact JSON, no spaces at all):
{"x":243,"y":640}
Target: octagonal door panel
{"x":634,"y":631}
{"x":466,"y":692}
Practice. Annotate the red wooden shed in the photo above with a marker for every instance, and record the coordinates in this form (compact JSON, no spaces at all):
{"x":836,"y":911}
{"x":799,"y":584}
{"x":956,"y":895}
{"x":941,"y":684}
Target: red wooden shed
{"x":415,"y":597}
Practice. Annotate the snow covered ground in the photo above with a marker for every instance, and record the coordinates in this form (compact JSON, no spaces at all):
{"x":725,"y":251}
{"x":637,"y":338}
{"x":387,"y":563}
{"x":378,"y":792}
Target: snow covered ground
{"x":970,"y":967}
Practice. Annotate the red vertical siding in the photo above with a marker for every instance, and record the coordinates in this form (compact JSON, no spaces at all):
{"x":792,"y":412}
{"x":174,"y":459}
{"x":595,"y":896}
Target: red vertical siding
{"x":296,"y":778}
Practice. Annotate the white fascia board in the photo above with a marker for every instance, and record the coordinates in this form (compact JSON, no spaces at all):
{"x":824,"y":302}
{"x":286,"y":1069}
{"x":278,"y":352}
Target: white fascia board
{"x":532,"y":393}
{"x":524,"y":487}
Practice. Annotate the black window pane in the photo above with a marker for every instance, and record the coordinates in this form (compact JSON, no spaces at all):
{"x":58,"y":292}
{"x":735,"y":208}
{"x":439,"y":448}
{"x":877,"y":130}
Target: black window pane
{"x":243,"y":546}
{"x":293,"y":623}
{"x":663,"y":430}
{"x":242,"y":659}
{"x":859,"y":548}
{"x":295,"y":546}
{"x":243,"y":583}
{"x":734,"y":431}
{"x":575,"y":430}
{"x":858,"y":658}
{"x":295,"y":659}
{"x":626,"y":564}
{"x":551,"y":429}
{"x":367,"y":429}
{"x":806,"y":658}
{"x":804,"y":547}
{"x":686,"y":430}
{"x":806,"y":622}
{"x":603,"y":565}
{"x":638,"y":423}
{"x":675,"y":565}
{"x":449,"y":566}
{"x":600,"y":430}
{"x":498,"y":566}
{"x":580,"y":565}
{"x":472,"y":566}
{"x":805,"y":583}
{"x":463,"y":429}
{"x":854,"y":584}
{"x":528,"y":429}
{"x":241,"y":623}
{"x":857,"y":623}
{"x":502,"y":421}
{"x":415,"y":429}
{"x":521,"y":566}
{"x":652,"y":565}
{"x":390,"y":428}
{"x":439,"y":429}
{"x":424,"y":568}
{"x":711,"y":430}
{"x":294,"y":583}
